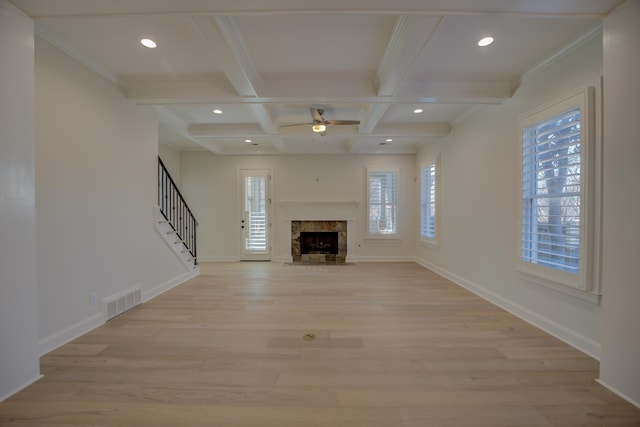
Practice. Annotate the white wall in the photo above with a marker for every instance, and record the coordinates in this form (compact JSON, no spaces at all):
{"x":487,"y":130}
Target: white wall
{"x":210,"y":185}
{"x":479,"y":196}
{"x":18,"y":281}
{"x":620,"y":363}
{"x":96,"y":186}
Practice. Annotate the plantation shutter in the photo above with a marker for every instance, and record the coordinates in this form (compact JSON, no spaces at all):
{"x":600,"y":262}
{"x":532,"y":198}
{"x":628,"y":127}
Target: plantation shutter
{"x":551,"y":205}
{"x":255,"y":206}
{"x":382,"y":202}
{"x":428,"y":198}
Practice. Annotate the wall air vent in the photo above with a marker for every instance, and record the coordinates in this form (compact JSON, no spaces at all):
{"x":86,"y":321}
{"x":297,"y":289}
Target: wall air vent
{"x":119,"y":303}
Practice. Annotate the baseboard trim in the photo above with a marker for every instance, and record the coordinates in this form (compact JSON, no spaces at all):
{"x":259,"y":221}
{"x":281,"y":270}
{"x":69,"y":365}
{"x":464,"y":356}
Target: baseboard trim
{"x":20,"y":388}
{"x":289,"y":259}
{"x":170,"y":284}
{"x":213,"y":258}
{"x":618,"y":392}
{"x":574,"y":339}
{"x":50,"y":343}
{"x":381,"y":258}
{"x":66,"y":335}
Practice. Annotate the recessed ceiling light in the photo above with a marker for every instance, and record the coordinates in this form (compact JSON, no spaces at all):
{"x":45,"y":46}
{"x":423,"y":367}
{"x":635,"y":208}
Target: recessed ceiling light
{"x":418,"y":110}
{"x":486,"y":41}
{"x":389,"y":140}
{"x":148,"y":43}
{"x":247,"y":140}
{"x":217,"y":111}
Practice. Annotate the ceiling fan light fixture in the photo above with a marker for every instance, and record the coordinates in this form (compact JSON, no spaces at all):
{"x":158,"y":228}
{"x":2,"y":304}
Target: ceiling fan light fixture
{"x":148,"y":43}
{"x":319,"y":127}
{"x":486,"y":41}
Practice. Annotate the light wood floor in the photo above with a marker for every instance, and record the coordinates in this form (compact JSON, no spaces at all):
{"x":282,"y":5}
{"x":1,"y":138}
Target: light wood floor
{"x":395,"y":345}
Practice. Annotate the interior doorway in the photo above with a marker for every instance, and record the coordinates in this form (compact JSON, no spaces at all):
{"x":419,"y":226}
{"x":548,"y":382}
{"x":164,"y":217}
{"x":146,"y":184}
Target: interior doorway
{"x":255,"y":223}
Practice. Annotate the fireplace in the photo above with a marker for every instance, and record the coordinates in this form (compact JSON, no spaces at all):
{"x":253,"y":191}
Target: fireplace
{"x":319,"y":242}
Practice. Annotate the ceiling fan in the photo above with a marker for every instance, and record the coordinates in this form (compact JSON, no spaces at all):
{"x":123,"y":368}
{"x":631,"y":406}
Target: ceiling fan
{"x":319,"y":124}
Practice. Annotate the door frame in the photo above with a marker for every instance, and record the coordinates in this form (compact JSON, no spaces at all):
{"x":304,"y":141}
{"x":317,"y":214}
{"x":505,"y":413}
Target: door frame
{"x":257,"y":256}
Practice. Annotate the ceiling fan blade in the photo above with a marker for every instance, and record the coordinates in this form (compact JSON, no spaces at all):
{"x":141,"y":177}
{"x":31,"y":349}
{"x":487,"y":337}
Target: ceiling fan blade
{"x":343,"y":122}
{"x":296,"y":124}
{"x":316,"y":114}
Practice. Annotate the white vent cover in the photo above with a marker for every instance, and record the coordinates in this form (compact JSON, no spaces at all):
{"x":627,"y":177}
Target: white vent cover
{"x":121,"y":302}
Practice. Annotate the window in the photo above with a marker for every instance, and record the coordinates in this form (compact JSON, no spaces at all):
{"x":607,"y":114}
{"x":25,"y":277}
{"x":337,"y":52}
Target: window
{"x":382,"y":202}
{"x":429,"y":202}
{"x":557,"y":169}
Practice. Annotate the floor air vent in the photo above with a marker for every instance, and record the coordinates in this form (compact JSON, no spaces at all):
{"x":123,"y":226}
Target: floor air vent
{"x":121,"y":302}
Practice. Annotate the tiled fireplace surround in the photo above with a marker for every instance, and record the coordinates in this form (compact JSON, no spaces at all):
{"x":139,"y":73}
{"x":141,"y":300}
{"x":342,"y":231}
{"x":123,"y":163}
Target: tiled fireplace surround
{"x":319,"y":216}
{"x":326,"y":226}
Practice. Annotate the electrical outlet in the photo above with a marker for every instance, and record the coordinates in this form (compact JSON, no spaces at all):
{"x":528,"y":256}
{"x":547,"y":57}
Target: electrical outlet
{"x":93,"y":298}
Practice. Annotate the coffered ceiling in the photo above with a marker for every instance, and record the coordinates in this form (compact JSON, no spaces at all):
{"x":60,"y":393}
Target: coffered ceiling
{"x":265,"y":63}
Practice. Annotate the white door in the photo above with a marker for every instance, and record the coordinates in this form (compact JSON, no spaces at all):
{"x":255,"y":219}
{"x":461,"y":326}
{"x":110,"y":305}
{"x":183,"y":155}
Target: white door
{"x":255,"y":223}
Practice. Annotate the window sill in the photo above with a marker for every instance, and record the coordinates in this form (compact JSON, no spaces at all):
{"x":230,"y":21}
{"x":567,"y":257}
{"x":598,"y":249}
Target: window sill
{"x":383,"y":238}
{"x":592,"y":297}
{"x":429,"y":243}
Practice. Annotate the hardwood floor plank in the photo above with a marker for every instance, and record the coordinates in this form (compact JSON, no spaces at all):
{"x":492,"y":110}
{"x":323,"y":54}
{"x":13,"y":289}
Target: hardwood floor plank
{"x":438,"y":397}
{"x":393,"y":345}
{"x":172,"y":415}
{"x":592,"y":415}
{"x":495,"y":416}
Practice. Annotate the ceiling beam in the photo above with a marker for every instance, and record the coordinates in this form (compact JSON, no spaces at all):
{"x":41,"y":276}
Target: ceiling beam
{"x":231,"y":56}
{"x":264,"y":118}
{"x":414,"y":130}
{"x":246,"y":130}
{"x":81,"y":8}
{"x":175,"y":123}
{"x":410,"y":93}
{"x":225,"y":42}
{"x":373,"y":115}
{"x":410,"y":37}
{"x":249,"y":79}
{"x":254,"y":131}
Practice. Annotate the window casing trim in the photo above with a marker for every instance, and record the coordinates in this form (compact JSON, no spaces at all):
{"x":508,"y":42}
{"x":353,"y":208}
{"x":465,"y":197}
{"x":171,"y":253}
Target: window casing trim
{"x":435,"y":240}
{"x":585,"y":283}
{"x":382,"y":236}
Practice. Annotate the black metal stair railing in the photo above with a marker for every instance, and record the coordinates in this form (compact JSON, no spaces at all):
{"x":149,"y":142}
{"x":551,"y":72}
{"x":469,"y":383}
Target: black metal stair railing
{"x":176,"y":212}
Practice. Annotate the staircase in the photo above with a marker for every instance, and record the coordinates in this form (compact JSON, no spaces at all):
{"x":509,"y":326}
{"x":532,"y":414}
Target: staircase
{"x":174,"y":220}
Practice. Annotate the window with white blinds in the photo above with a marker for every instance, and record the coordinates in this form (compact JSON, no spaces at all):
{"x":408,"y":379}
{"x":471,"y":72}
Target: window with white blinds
{"x":554,"y":231}
{"x":382,"y":202}
{"x":551,"y":192}
{"x":428,"y":202}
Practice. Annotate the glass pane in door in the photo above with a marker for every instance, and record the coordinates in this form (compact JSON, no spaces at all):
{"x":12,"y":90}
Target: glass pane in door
{"x":255,"y":213}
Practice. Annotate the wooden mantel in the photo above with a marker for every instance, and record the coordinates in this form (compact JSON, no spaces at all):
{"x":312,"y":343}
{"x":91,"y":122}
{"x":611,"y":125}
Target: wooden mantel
{"x":319,"y":211}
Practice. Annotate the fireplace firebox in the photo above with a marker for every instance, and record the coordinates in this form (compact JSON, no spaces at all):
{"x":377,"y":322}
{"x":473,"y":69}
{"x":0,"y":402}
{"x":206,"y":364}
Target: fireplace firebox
{"x":318,"y":242}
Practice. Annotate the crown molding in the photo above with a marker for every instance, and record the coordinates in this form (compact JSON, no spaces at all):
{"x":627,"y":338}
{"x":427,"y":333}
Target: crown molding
{"x":92,"y":65}
{"x":589,"y":35}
